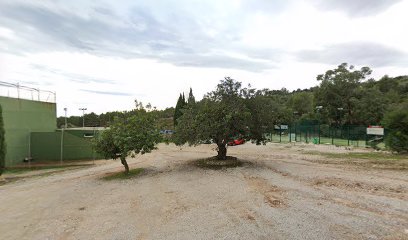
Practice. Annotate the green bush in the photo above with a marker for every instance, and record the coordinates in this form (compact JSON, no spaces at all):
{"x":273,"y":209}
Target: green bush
{"x":396,"y":122}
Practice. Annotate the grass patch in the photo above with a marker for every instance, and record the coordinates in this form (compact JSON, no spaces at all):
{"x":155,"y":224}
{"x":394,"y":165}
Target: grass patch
{"x":361,"y":155}
{"x":122,"y":175}
{"x":215,"y":164}
{"x":366,"y":159}
{"x":21,"y":170}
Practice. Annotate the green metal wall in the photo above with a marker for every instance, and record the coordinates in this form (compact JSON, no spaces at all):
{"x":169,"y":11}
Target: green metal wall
{"x":20,"y":118}
{"x":46,"y":146}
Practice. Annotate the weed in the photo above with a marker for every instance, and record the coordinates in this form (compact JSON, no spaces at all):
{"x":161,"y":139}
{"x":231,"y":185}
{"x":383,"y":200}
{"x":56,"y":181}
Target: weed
{"x":121,"y":175}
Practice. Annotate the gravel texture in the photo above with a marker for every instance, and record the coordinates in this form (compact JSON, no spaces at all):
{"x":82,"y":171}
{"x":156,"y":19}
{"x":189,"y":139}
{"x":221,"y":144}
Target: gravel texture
{"x":279,"y":192}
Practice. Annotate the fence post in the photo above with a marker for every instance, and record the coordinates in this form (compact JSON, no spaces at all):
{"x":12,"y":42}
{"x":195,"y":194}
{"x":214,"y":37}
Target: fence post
{"x":62,"y":146}
{"x":295,"y":133}
{"x":300,"y":136}
{"x":332,"y":135}
{"x":366,"y":140}
{"x":290,"y":134}
{"x":280,"y":134}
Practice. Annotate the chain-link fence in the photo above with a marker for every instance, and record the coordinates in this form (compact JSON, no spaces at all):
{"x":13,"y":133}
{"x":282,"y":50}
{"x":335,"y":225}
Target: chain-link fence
{"x":345,"y":135}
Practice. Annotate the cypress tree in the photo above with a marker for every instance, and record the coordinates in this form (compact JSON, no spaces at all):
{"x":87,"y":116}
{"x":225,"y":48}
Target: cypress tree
{"x":191,"y":98}
{"x":177,"y":110}
{"x":2,"y":143}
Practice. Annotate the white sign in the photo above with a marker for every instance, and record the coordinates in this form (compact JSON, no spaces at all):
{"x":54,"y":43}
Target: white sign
{"x":375,"y":131}
{"x":284,"y":126}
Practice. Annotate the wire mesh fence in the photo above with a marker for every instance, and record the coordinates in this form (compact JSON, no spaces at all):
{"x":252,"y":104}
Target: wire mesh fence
{"x":345,"y":135}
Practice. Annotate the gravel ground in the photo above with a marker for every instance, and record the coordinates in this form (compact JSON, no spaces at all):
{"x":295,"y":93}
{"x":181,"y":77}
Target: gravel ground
{"x":280,"y":192}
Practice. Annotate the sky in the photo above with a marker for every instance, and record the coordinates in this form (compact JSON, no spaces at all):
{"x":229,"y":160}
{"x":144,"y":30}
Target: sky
{"x":102,"y":55}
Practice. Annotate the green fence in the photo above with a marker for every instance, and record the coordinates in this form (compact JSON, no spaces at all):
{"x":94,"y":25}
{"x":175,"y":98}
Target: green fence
{"x":345,"y":135}
{"x":20,"y":118}
{"x":67,"y":145}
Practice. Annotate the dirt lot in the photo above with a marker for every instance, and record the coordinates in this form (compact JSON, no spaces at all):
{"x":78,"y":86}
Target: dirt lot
{"x":280,"y":192}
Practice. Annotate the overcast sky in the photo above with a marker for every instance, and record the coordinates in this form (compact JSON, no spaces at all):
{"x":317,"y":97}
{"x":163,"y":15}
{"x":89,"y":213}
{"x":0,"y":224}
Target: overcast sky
{"x":104,"y":54}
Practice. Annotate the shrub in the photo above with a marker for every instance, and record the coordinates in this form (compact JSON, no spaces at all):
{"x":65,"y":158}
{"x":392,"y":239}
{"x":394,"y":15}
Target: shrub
{"x":397,"y":124}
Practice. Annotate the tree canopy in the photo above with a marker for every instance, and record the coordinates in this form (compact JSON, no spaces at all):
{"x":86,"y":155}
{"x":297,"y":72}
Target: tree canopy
{"x":228,"y":112}
{"x":181,"y":103}
{"x":191,"y":98}
{"x":397,"y":123}
{"x":338,"y":90}
{"x":128,"y":136}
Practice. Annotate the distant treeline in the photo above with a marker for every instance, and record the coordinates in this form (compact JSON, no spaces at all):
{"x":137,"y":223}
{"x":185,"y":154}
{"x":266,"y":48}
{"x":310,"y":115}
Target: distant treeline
{"x":344,"y":96}
{"x":165,"y":118}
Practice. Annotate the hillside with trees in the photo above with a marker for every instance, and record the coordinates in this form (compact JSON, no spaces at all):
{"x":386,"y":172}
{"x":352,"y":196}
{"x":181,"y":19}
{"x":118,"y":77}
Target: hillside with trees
{"x":345,"y":96}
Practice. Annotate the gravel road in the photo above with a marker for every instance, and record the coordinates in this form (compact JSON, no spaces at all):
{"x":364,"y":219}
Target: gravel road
{"x":281,"y":191}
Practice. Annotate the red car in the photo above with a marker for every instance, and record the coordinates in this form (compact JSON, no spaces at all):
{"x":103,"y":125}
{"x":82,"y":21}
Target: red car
{"x":238,"y":141}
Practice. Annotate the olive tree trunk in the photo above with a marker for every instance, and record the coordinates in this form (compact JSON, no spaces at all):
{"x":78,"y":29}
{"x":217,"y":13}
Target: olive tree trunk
{"x":222,"y":151}
{"x":123,"y":161}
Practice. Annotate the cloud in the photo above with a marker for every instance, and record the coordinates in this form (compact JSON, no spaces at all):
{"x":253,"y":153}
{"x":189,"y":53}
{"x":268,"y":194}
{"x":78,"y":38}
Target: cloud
{"x":144,"y":32}
{"x":356,"y":8}
{"x":107,"y":92}
{"x":361,"y":53}
{"x":217,"y":61}
{"x":267,"y":6}
{"x":73,"y":77}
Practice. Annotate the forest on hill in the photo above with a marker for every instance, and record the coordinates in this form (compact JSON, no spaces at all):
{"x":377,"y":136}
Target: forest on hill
{"x":345,"y":95}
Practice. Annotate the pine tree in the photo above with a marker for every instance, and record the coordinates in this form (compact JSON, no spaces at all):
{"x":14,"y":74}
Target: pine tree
{"x":2,"y":143}
{"x":191,"y":98}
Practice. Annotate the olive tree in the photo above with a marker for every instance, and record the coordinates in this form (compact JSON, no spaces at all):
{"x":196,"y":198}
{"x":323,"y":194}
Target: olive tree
{"x":129,"y":135}
{"x":227,"y":112}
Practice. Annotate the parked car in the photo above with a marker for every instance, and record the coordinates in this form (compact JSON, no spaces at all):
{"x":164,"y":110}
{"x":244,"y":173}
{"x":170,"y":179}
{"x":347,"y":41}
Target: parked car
{"x":166,"y":132}
{"x":234,"y":142}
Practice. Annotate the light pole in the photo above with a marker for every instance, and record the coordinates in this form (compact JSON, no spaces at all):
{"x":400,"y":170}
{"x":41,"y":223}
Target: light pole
{"x":339,"y":109}
{"x":318,"y":108}
{"x":83,"y":116}
{"x":66,"y":125}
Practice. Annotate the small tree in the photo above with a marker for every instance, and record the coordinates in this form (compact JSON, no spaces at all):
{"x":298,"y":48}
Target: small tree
{"x":129,"y":136}
{"x":396,"y":122}
{"x":2,"y":143}
{"x":223,"y":114}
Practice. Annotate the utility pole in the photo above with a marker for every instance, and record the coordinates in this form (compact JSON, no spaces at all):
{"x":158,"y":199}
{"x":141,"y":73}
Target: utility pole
{"x":83,"y":116}
{"x":66,"y":125}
